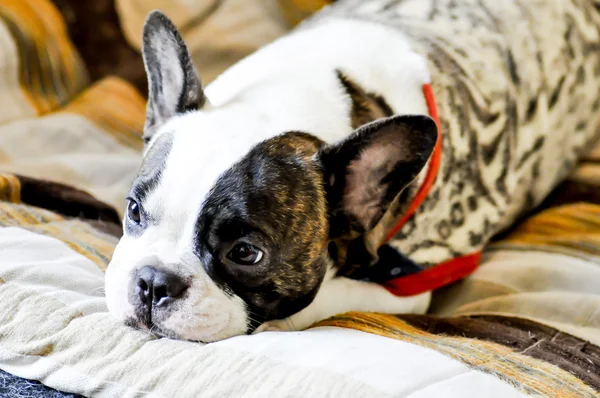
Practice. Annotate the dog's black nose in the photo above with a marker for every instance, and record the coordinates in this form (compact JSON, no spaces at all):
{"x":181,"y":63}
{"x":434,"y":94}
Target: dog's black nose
{"x":157,"y":286}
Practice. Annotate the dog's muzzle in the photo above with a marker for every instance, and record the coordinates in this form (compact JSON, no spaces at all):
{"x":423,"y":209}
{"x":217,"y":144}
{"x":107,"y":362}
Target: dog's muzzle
{"x":155,"y":289}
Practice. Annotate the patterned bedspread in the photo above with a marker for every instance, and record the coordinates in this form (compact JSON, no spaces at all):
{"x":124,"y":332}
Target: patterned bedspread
{"x":526,"y":323}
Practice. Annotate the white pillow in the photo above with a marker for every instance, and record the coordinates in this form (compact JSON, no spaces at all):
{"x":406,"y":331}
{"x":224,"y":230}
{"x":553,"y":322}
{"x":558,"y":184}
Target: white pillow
{"x":54,"y":328}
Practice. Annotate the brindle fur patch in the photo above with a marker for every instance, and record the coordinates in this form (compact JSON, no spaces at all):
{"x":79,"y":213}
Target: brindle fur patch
{"x":273,"y":198}
{"x":366,"y":107}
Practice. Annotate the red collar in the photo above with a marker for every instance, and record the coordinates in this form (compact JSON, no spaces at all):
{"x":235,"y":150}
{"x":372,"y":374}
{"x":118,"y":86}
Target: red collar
{"x":449,"y":271}
{"x":434,"y":165}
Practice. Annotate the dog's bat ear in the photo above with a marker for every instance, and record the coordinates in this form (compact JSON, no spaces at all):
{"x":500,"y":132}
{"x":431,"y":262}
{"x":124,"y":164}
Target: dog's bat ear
{"x":173,"y":84}
{"x":365,"y":172}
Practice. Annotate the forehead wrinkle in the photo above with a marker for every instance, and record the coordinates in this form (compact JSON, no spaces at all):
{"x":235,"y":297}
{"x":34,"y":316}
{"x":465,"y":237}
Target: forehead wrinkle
{"x":157,"y":154}
{"x":152,"y":166}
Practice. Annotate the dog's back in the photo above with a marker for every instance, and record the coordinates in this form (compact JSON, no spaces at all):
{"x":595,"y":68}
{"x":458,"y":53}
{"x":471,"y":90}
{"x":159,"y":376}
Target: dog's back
{"x":517,"y":84}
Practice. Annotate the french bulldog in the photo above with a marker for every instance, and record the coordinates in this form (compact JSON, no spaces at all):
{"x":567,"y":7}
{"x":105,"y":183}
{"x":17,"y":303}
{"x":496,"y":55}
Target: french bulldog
{"x":265,"y":201}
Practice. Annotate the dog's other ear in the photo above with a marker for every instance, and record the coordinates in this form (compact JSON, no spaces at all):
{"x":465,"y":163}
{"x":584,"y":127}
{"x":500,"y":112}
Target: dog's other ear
{"x":173,"y":84}
{"x":365,"y":172}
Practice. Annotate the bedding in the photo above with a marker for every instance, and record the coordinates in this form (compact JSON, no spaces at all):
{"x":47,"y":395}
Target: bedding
{"x":526,"y":323}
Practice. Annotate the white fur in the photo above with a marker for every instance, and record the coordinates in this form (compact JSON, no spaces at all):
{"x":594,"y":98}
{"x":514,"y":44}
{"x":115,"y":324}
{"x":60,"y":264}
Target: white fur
{"x":288,"y":85}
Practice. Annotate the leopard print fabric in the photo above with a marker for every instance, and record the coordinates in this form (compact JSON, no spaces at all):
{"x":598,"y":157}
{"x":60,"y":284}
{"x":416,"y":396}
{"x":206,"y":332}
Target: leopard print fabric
{"x":517,"y":84}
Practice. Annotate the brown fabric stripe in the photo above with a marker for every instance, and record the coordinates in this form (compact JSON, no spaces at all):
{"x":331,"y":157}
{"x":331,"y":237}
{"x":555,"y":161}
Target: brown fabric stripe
{"x":51,"y":71}
{"x":114,"y":106}
{"x":572,"y":192}
{"x":95,"y":31}
{"x":65,"y":200}
{"x":570,"y":353}
{"x":529,"y":375}
{"x":574,"y":227}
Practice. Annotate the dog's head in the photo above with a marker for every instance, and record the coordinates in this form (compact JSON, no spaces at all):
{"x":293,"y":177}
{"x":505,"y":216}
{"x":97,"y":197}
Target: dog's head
{"x":220,"y":235}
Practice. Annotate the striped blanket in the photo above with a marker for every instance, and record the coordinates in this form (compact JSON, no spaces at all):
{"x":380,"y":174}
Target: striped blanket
{"x":527,"y":323}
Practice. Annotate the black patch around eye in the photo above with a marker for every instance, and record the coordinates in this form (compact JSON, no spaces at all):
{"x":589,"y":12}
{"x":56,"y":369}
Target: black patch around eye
{"x":272,"y":199}
{"x":215,"y":238}
{"x":245,"y":254}
{"x":233,"y":229}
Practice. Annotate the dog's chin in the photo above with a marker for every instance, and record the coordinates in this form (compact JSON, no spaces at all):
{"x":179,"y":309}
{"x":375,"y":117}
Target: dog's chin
{"x":201,"y":333}
{"x":154,"y":329}
{"x":161,"y":332}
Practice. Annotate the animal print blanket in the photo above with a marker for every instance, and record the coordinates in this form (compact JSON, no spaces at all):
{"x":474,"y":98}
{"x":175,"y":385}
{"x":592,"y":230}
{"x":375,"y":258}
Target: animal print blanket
{"x":525,"y":323}
{"x":504,"y":75}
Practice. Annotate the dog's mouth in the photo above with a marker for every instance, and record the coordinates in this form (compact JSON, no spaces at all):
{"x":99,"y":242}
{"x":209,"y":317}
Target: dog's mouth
{"x":144,"y":320}
{"x":146,"y":323}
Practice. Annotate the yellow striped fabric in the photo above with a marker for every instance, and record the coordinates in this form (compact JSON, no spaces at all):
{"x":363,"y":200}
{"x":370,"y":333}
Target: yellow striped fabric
{"x":10,"y":188}
{"x":81,"y":238}
{"x":573,"y":227}
{"x":20,"y":215}
{"x":78,"y":235}
{"x":54,"y":86}
{"x":51,"y":72}
{"x":116,"y":107}
{"x":530,"y":375}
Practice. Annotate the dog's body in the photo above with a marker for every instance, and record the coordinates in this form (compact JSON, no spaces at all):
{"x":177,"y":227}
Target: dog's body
{"x":258,"y":193}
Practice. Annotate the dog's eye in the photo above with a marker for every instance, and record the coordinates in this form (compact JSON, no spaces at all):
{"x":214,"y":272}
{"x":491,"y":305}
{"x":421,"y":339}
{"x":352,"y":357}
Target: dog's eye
{"x":245,"y":254}
{"x":133,"y":211}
